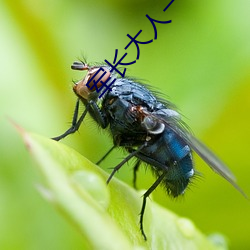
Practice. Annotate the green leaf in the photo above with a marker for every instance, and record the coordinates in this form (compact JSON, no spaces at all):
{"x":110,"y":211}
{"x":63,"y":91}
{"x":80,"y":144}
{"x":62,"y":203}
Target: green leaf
{"x":107,"y":215}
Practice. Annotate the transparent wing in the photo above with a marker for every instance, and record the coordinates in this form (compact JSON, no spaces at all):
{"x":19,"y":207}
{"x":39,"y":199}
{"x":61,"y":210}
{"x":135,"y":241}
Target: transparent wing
{"x":175,"y":124}
{"x":208,"y":156}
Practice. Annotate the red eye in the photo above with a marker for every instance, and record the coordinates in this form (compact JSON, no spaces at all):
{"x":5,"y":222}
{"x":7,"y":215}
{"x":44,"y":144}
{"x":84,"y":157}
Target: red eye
{"x":95,"y":78}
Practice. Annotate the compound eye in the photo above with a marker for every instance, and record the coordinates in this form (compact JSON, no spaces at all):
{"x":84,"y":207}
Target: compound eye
{"x":96,"y":76}
{"x":153,"y":126}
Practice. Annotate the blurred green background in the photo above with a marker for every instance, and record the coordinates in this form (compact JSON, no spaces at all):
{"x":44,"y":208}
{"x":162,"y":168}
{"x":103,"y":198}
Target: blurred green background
{"x":200,"y":61}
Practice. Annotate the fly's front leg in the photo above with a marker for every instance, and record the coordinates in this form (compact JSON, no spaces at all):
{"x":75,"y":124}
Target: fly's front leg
{"x":75,"y":123}
{"x":95,"y":112}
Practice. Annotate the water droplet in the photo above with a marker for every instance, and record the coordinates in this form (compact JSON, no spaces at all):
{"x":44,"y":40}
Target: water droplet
{"x":187,"y":227}
{"x":94,"y":185}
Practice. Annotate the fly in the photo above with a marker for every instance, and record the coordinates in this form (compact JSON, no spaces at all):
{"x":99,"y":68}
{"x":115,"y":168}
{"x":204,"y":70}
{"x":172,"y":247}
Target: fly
{"x":149,"y":128}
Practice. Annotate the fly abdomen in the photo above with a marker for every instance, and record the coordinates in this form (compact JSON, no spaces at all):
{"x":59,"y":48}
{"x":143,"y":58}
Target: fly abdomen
{"x":180,"y":166}
{"x":178,"y":176}
{"x":170,"y":155}
{"x":178,"y":149}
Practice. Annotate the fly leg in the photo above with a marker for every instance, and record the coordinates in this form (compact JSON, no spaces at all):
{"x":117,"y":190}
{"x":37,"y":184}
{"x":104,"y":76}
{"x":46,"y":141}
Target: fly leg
{"x":93,"y":109}
{"x":97,"y":114}
{"x":135,"y":169}
{"x":105,"y":155}
{"x":124,"y":161}
{"x":145,"y":196}
{"x":75,"y":124}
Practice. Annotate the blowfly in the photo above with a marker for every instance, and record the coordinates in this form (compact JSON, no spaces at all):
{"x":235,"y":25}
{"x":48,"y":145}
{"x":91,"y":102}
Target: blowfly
{"x":148,"y":127}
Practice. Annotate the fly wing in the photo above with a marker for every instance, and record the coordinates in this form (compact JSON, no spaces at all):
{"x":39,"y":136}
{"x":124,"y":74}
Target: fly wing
{"x":208,"y":156}
{"x":174,"y":123}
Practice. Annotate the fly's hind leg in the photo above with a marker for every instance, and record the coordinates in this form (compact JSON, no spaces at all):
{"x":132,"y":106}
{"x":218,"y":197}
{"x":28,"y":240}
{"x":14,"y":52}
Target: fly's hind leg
{"x":145,"y":196}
